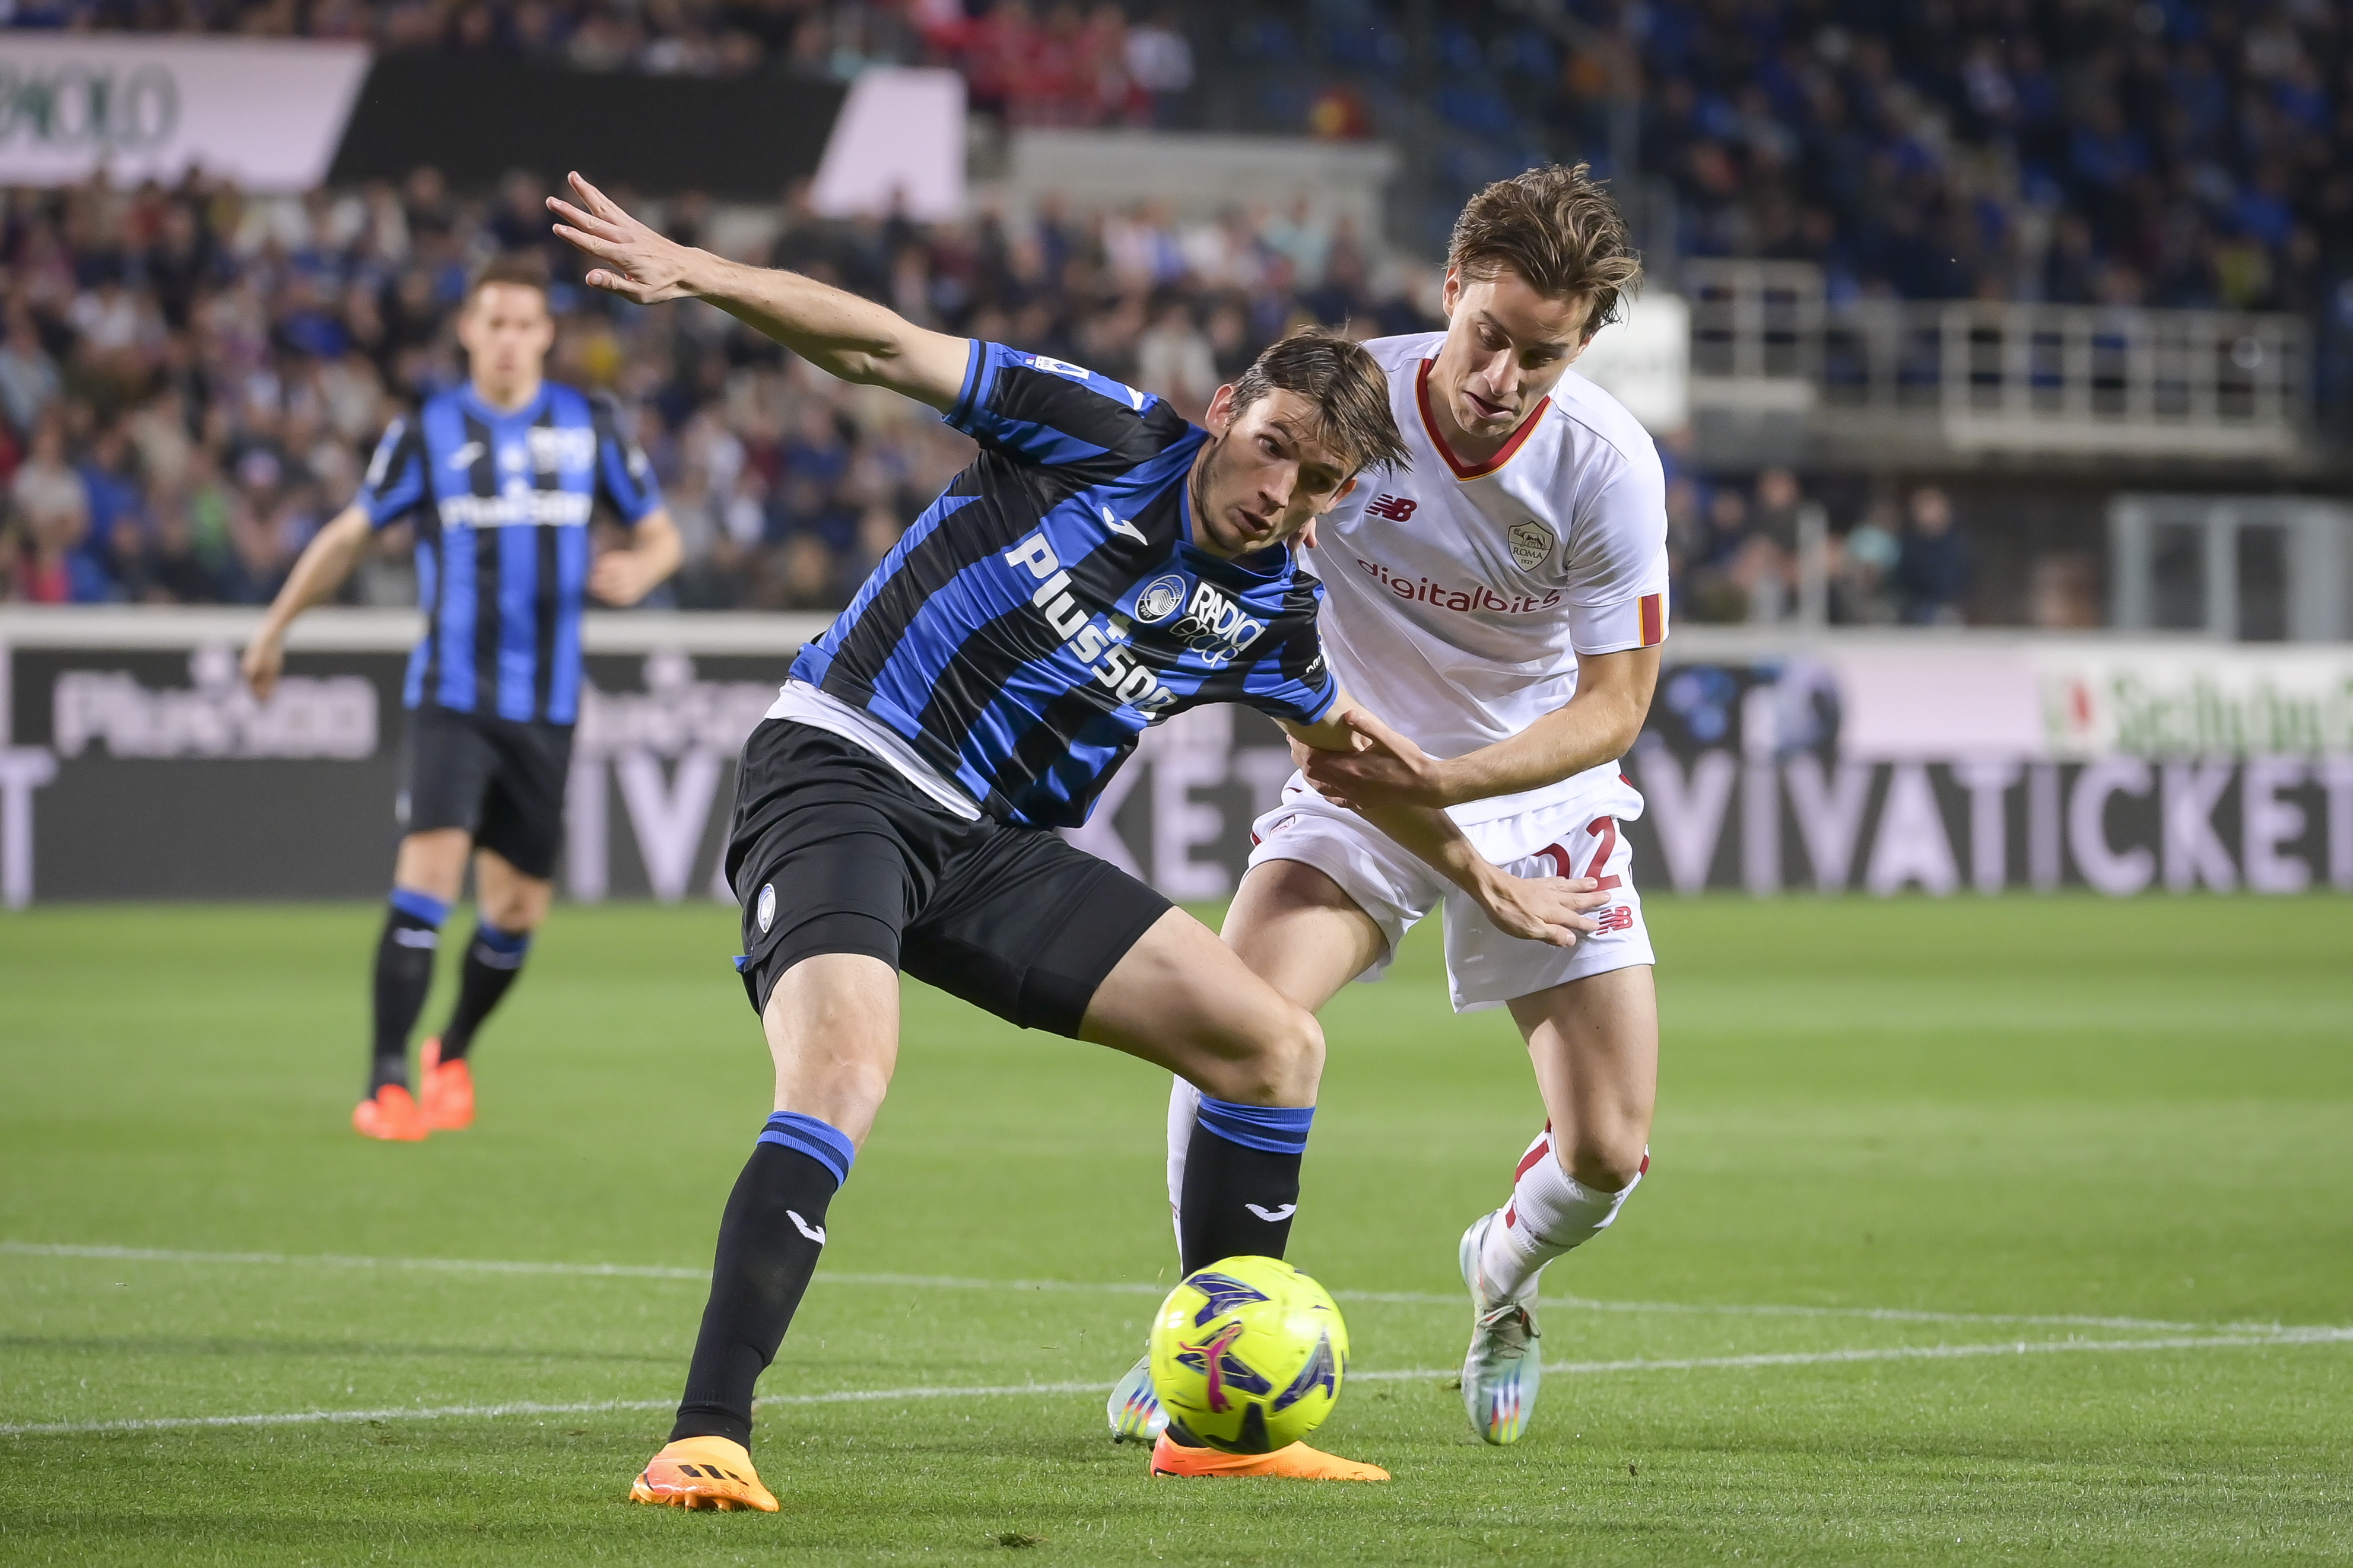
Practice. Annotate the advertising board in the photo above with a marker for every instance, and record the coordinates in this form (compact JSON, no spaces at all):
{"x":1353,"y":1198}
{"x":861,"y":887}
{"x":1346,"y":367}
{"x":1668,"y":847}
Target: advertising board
{"x":266,"y":115}
{"x":135,"y":764}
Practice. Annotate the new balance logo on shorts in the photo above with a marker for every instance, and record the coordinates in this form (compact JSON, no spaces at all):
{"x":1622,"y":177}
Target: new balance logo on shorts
{"x":1617,"y":917}
{"x":1396,"y":509}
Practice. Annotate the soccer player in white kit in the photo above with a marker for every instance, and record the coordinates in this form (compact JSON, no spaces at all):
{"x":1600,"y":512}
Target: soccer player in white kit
{"x":1502,"y":602}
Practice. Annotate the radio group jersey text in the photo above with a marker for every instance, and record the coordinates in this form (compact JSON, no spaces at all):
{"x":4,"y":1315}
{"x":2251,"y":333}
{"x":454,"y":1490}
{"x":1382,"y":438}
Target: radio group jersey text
{"x":501,"y":503}
{"x":1458,"y":598}
{"x":1050,"y":604}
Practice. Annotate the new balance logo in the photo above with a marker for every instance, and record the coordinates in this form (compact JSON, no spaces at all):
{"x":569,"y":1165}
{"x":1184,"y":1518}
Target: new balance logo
{"x":1617,"y":917}
{"x":1274,"y":1215}
{"x":813,"y":1232}
{"x":1396,"y":509}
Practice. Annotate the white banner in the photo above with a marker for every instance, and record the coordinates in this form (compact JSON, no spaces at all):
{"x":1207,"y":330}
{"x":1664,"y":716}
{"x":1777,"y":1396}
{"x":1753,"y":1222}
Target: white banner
{"x":268,"y":115}
{"x":2075,"y":699}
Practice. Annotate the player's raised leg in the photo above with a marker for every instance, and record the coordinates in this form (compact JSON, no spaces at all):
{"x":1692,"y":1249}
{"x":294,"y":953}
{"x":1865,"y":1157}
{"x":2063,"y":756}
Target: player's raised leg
{"x":427,"y":877}
{"x":1594,"y":1044}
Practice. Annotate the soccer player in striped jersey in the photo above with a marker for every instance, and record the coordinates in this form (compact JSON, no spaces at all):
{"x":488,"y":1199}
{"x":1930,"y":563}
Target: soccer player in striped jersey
{"x":1502,"y":602}
{"x":500,"y":478}
{"x":1101,"y":565}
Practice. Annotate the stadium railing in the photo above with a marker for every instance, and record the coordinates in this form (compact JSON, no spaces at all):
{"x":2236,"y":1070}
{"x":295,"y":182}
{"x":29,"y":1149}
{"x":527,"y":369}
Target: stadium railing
{"x":1911,"y":380}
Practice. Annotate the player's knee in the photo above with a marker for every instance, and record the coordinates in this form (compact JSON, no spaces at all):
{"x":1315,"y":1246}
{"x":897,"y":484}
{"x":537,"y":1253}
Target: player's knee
{"x":1275,"y":1059}
{"x":516,"y":909}
{"x":1604,"y":1161}
{"x":1302,"y":1052}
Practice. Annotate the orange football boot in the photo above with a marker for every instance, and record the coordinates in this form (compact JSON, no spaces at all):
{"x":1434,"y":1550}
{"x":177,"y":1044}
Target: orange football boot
{"x":1298,"y":1463}
{"x":702,"y":1472}
{"x":448,"y":1090}
{"x":392,"y":1115}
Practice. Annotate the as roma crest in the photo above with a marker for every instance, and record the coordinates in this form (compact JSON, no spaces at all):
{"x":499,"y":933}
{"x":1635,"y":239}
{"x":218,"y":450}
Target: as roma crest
{"x":1532,"y":543}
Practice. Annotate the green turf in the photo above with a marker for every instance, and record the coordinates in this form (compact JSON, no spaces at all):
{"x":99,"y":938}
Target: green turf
{"x":2038,"y":1108}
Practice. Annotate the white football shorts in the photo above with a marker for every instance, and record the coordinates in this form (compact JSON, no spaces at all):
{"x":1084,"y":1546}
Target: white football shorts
{"x":1578,"y":837}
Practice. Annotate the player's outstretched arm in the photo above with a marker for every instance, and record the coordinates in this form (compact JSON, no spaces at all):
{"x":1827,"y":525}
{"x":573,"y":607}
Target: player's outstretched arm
{"x":1598,"y":724}
{"x":320,"y":570}
{"x":1550,"y":910}
{"x":839,"y":332}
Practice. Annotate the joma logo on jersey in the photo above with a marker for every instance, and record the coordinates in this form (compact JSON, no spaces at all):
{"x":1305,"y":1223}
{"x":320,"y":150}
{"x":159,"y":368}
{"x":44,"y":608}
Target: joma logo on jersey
{"x":1215,"y":628}
{"x":1396,"y":509}
{"x":1093,"y":643}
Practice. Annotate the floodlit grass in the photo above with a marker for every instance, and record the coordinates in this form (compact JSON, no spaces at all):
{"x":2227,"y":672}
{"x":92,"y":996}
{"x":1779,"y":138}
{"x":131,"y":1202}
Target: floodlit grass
{"x":2049,"y":1198}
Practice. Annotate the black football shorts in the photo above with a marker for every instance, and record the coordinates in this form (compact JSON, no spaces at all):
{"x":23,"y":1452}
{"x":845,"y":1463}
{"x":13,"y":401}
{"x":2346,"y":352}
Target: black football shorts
{"x":501,"y":780}
{"x":832,"y":850}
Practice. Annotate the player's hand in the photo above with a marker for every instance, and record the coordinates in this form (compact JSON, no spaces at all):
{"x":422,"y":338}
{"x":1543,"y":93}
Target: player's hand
{"x":622,"y":577}
{"x":1384,"y":769}
{"x":1549,"y":909}
{"x":639,"y":264}
{"x":264,"y":662}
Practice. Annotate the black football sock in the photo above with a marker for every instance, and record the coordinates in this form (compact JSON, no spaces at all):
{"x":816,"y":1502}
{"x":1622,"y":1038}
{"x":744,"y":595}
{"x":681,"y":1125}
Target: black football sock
{"x":404,"y":973}
{"x":769,"y":1240}
{"x":1242,"y":1181}
{"x":493,"y":959}
{"x":1241,"y":1188}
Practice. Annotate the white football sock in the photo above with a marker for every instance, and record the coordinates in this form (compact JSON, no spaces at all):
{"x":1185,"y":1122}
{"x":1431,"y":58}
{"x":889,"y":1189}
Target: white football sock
{"x":1550,"y":1212}
{"x":1184,"y":1107}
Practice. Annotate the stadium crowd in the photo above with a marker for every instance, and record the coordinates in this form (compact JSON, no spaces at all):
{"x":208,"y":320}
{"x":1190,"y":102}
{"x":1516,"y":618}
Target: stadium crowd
{"x":189,"y":380}
{"x":2161,"y":151}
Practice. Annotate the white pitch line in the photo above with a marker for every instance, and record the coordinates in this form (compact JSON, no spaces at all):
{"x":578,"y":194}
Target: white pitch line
{"x":1133,"y":1287}
{"x":529,"y":1407}
{"x":2290,"y":1339}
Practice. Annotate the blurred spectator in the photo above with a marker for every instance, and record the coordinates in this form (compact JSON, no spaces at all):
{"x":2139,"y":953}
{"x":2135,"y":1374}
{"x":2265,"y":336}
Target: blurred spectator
{"x":29,"y":382}
{"x":1932,"y":572}
{"x":50,"y":513}
{"x":2062,"y":591}
{"x":1862,"y":572}
{"x":1719,"y":591}
{"x":1175,"y":359}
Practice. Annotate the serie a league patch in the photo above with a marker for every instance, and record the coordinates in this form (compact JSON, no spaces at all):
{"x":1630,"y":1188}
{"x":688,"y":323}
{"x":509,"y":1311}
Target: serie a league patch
{"x":767,"y":910}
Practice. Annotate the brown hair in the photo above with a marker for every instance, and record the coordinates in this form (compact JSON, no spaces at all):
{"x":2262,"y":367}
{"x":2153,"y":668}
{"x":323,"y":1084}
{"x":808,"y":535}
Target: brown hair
{"x":522,"y":268}
{"x":1558,"y":228}
{"x":1347,"y":386}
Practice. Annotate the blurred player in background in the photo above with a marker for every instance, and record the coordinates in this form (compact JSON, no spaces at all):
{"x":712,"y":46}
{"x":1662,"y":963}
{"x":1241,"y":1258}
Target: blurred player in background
{"x":500,"y":476}
{"x":1502,"y":602}
{"x":1101,"y":564}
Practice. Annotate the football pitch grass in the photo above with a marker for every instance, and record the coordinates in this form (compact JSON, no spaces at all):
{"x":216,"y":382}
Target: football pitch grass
{"x":1976,"y":1231}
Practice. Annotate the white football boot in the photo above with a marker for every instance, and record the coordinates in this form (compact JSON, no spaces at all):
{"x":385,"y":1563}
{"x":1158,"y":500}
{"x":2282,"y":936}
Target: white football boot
{"x":1134,"y":1408}
{"x":1502,"y":1373}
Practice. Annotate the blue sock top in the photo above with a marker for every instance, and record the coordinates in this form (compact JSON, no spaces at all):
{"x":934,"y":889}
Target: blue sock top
{"x":827,"y":1145}
{"x":497,"y":940}
{"x":421,"y":906}
{"x":1276,"y":1129}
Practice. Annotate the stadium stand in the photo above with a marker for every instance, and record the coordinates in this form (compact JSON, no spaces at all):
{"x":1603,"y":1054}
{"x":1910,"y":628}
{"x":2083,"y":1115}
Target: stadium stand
{"x":187,"y":377}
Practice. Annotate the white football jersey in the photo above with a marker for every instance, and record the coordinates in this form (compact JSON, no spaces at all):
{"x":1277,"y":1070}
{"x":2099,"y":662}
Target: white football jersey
{"x":1457,"y":599}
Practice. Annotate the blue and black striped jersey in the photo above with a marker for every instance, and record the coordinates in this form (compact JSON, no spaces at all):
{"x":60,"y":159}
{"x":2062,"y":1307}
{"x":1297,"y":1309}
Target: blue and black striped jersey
{"x":1050,"y":603}
{"x":501,"y":503}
